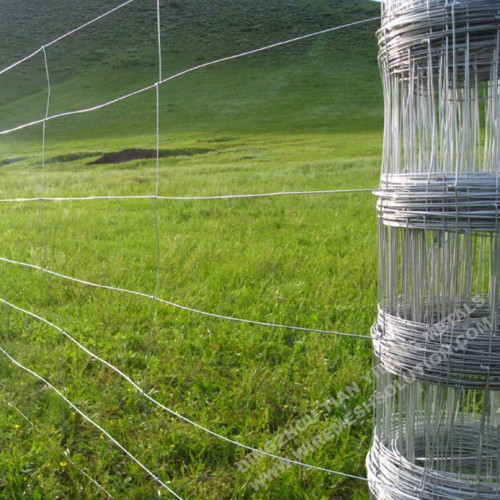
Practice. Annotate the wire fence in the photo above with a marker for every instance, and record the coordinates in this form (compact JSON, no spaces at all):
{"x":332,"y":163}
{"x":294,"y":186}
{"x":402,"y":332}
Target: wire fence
{"x":188,"y":198}
{"x":156,"y":197}
{"x":439,"y":252}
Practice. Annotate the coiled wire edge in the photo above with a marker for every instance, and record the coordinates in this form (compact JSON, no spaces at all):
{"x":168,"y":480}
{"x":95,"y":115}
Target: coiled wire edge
{"x":442,"y":476}
{"x":465,"y":202}
{"x":421,"y":33}
{"x":463,"y":352}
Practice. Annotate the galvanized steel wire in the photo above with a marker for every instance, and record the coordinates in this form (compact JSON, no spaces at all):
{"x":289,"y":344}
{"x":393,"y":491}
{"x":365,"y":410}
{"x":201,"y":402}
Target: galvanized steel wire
{"x":437,"y":338}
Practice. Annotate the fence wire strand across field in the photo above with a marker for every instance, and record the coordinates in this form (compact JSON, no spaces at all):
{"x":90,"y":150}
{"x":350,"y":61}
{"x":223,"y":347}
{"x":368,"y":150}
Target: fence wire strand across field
{"x":155,"y":402}
{"x":155,"y":198}
{"x":89,"y":420}
{"x":185,"y":72}
{"x":182,"y":307}
{"x":62,"y":37}
{"x":189,"y":198}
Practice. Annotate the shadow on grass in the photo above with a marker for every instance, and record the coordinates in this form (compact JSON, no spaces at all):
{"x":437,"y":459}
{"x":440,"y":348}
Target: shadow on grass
{"x":143,"y":154}
{"x":9,"y":161}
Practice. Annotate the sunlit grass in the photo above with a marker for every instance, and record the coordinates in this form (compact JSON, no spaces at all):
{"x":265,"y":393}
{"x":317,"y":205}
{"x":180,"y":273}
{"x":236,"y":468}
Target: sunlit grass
{"x":299,"y":120}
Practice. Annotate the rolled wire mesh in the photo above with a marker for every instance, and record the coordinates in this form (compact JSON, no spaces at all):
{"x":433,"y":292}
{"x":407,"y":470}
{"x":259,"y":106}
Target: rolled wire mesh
{"x":435,"y":442}
{"x":437,"y":335}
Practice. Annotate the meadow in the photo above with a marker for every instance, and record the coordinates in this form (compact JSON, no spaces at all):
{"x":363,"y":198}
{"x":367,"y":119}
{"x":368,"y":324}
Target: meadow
{"x":302,"y":117}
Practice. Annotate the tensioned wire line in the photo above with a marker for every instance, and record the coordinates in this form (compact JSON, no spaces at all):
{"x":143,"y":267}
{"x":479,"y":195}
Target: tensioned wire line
{"x":167,"y":302}
{"x":189,"y":198}
{"x":198,"y":311}
{"x":58,"y":39}
{"x":179,"y":306}
{"x":44,"y":134}
{"x":89,"y":420}
{"x":154,"y":297}
{"x":66,"y":457}
{"x":392,"y":341}
{"x":186,"y":71}
{"x":159,"y":405}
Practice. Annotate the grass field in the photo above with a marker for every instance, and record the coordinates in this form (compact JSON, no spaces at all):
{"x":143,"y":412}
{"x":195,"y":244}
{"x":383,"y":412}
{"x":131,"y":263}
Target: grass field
{"x":301,"y":117}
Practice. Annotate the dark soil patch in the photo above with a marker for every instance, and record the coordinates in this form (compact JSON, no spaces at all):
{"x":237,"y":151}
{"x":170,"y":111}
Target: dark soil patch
{"x":8,"y":161}
{"x":144,"y":154}
{"x":218,"y":139}
{"x":73,"y":156}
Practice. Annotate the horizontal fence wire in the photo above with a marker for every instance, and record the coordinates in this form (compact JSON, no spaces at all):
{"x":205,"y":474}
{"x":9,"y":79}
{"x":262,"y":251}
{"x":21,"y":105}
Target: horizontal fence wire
{"x":179,"y":306}
{"x":62,"y":37}
{"x":155,"y":86}
{"x":185,"y":72}
{"x":159,"y":405}
{"x":375,"y":336}
{"x":89,"y":420}
{"x":189,"y":198}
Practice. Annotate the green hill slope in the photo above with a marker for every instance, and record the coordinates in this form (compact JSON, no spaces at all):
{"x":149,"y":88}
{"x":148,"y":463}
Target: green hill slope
{"x":334,"y":75}
{"x":198,"y":27}
{"x":301,"y":117}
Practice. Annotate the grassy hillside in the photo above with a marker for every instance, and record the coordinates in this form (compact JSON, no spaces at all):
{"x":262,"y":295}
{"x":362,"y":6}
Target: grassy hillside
{"x":188,"y":26}
{"x":306,"y":116}
{"x":118,"y":55}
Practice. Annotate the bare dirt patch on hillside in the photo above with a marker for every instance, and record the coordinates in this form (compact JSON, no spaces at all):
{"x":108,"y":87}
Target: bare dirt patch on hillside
{"x":126,"y":155}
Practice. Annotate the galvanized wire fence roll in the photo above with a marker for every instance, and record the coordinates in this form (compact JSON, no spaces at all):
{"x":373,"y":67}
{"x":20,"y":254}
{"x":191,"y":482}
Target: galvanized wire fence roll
{"x":464,"y":353}
{"x":438,"y":318}
{"x":420,"y":479}
{"x":440,"y":71}
{"x":434,"y":442}
{"x":433,"y":276}
{"x":437,"y":336}
{"x":416,"y":35}
{"x":465,"y":202}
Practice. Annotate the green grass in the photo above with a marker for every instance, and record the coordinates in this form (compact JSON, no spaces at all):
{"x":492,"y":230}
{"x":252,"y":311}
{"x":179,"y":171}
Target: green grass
{"x":304,"y":117}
